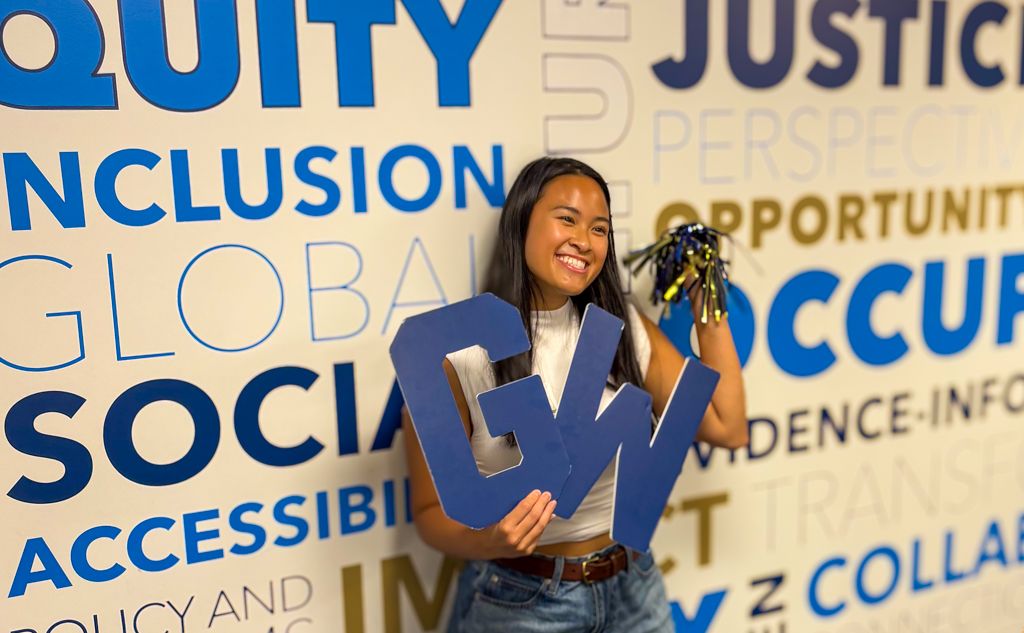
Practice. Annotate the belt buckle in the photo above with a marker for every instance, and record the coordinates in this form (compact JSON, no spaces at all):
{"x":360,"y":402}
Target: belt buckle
{"x":586,"y":563}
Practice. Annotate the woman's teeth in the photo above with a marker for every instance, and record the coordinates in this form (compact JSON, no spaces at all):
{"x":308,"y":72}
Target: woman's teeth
{"x":572,"y":262}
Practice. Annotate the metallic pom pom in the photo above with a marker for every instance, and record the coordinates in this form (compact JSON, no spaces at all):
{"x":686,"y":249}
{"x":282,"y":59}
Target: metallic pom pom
{"x":686,"y":252}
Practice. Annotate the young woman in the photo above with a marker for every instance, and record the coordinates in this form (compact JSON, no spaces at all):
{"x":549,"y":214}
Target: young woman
{"x":532,"y":571}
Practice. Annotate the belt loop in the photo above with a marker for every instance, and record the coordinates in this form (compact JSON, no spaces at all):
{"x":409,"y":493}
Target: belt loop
{"x":556,"y":576}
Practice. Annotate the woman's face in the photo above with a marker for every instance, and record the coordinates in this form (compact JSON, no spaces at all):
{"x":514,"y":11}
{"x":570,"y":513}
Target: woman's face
{"x":567,"y":238}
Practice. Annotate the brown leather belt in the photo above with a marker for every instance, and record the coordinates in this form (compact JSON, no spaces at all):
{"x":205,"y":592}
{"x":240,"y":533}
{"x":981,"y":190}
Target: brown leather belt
{"x":593,"y":569}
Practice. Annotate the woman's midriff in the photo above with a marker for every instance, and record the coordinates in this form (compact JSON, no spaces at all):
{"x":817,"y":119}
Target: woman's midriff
{"x":576,"y":548}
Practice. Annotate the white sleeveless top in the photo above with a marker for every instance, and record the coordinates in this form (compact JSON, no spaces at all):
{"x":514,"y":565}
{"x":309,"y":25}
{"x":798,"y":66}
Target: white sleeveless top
{"x":553,"y":345}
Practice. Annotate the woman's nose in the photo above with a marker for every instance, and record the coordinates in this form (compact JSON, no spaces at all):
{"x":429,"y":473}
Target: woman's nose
{"x":580,"y":239}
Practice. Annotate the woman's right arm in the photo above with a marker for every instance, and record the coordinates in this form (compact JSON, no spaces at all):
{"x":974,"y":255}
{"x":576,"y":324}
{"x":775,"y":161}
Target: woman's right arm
{"x":515,"y":535}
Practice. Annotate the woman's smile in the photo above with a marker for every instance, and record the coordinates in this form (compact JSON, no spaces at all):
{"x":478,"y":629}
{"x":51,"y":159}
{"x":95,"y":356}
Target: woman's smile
{"x":574,"y":264}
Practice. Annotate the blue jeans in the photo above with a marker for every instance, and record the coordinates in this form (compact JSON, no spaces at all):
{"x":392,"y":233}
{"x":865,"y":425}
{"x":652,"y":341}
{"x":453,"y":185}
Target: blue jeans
{"x":495,"y":599}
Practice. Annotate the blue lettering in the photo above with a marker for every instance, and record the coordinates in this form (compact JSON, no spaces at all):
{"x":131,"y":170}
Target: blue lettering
{"x":106,"y":187}
{"x":441,"y":299}
{"x":1011,"y":300}
{"x":360,"y":507}
{"x":789,"y":354}
{"x":352,"y":24}
{"x":181,"y":306}
{"x":194,"y":536}
{"x":865,"y":343}
{"x":812,"y":589}
{"x":23,"y":437}
{"x":80,"y":559}
{"x":138,"y":556}
{"x":980,"y":14}
{"x":279,"y":54}
{"x":332,"y":194}
{"x":744,"y":68}
{"x":938,"y":338}
{"x":951,"y":575}
{"x":389,"y":503}
{"x":390,"y":420}
{"x":494,"y":190}
{"x":74,"y":313}
{"x":522,"y":407}
{"x":247,"y":418}
{"x":20,"y":173}
{"x":117,"y":432}
{"x":118,"y":353}
{"x":916,"y":583}
{"x":345,"y":287}
{"x":701,"y":621}
{"x":233,"y":188}
{"x":937,"y":52}
{"x":688,"y":71}
{"x":323,"y":524}
{"x":345,"y":408}
{"x":453,"y":45}
{"x":385,"y":178}
{"x":836,"y":40}
{"x":679,"y":322}
{"x":282,"y":517}
{"x":992,"y":548}
{"x":646,"y":467}
{"x":37,"y":549}
{"x":357,"y":157}
{"x":144,"y":37}
{"x":70,"y":79}
{"x":184,"y":210}
{"x":862,"y":591}
{"x":893,"y":13}
{"x":239,"y":524}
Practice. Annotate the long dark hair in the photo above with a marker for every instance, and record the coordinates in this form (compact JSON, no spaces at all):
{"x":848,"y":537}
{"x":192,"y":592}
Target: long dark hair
{"x":510,"y":279}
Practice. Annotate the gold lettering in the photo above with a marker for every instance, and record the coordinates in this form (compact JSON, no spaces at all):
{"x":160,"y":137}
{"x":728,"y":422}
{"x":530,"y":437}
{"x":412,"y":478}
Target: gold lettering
{"x":703,"y":506}
{"x":399,"y":572}
{"x":767,"y":215}
{"x":352,"y":598}
{"x":911,"y":227}
{"x":851,"y":220}
{"x":884,"y":200}
{"x":1003,"y":193}
{"x":951,"y":209}
{"x":673,"y":215}
{"x":983,"y":209}
{"x":817,"y":205}
{"x":726,"y":216}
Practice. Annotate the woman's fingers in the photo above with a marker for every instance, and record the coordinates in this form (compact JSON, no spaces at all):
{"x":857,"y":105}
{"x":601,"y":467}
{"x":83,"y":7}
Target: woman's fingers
{"x":529,"y":542}
{"x":521,"y":510}
{"x":531,"y":519}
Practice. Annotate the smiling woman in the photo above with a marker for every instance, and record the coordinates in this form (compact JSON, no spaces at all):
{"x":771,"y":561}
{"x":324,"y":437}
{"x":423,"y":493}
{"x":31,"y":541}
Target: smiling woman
{"x":555,"y":255}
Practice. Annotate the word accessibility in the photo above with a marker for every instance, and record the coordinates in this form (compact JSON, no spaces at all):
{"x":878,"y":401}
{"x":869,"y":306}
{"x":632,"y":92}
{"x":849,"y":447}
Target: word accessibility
{"x":563,"y":451}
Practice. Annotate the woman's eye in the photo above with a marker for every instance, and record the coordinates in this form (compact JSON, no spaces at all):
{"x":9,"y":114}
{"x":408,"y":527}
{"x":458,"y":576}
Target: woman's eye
{"x":567,"y":218}
{"x":601,"y":230}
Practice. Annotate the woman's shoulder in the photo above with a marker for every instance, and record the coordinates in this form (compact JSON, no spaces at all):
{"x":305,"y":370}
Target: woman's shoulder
{"x":471,"y":365}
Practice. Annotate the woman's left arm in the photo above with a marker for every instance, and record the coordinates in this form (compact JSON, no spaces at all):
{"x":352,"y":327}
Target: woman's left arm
{"x":725,"y":421}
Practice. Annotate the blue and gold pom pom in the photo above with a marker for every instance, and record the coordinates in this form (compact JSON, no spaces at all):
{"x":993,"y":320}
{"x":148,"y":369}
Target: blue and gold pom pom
{"x":685,"y":257}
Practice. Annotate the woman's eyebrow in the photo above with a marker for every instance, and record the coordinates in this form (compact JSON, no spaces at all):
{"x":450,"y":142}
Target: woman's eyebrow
{"x":575,"y":211}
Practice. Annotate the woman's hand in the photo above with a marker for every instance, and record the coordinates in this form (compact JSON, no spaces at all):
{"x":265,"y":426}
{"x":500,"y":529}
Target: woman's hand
{"x":517,"y":534}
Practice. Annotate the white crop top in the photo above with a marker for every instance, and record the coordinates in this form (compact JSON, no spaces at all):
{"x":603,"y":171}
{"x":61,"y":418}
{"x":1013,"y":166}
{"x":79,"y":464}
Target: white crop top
{"x":553,"y":345}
